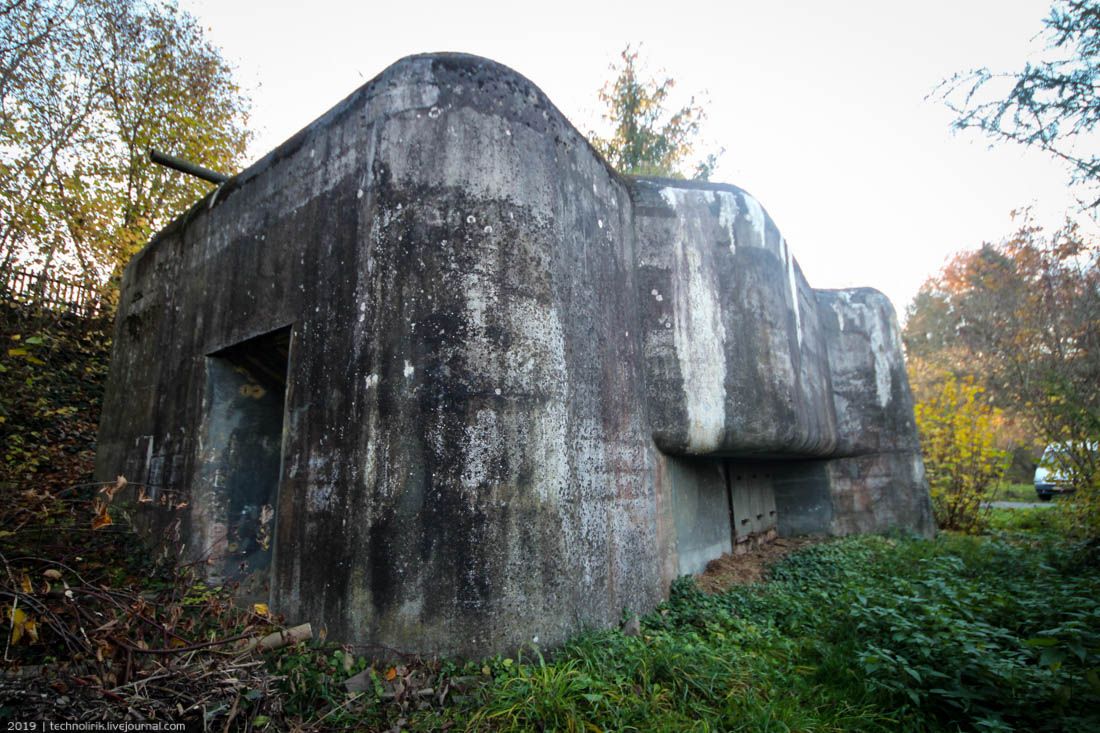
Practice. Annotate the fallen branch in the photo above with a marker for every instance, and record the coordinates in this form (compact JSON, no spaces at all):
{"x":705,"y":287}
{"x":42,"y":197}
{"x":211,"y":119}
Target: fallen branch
{"x":279,"y":639}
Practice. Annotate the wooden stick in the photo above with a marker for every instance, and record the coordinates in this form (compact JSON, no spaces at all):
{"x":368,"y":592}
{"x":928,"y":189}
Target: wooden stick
{"x":279,"y":639}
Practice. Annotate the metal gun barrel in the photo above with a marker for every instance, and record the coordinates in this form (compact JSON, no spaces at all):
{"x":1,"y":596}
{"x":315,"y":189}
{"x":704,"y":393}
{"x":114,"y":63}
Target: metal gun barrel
{"x":185,"y":166}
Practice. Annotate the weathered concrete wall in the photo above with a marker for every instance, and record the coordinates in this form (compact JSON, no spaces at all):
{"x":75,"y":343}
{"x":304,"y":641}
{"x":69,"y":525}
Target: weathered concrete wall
{"x":701,"y":514}
{"x":502,"y":359}
{"x":735,"y":357}
{"x":878,"y":479}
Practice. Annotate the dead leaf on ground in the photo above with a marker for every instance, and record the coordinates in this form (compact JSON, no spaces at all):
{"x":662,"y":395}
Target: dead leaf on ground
{"x":23,"y":626}
{"x":750,"y":567}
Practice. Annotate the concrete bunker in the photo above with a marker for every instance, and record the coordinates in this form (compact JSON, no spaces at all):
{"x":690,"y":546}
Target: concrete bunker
{"x":520,"y":392}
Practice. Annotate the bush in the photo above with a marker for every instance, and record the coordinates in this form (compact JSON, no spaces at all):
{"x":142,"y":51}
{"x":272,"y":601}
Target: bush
{"x":963,"y":463}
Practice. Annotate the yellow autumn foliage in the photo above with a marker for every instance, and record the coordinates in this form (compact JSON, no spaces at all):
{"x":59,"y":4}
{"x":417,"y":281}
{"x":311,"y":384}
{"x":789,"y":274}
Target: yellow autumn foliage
{"x":958,"y":431}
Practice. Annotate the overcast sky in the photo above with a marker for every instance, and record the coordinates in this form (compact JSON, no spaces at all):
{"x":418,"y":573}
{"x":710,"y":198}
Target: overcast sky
{"x":820,"y":106}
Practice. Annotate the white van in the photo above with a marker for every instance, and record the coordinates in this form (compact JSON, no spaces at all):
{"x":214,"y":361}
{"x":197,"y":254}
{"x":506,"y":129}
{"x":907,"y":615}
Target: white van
{"x":1051,"y":475}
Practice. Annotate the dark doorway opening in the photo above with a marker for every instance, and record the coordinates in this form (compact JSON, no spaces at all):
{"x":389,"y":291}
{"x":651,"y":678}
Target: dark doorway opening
{"x":242,"y":457}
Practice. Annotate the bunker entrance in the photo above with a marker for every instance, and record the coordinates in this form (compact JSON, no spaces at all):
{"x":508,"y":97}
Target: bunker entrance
{"x":242,"y":458}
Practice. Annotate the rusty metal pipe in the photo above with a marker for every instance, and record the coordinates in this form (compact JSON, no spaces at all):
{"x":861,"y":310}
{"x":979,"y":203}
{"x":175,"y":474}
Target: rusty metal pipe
{"x":185,"y":166}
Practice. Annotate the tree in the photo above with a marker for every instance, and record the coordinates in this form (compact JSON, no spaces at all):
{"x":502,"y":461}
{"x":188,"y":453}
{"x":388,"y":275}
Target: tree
{"x":88,"y":86}
{"x":1053,"y":104}
{"x":1022,"y":317}
{"x":647,"y":139}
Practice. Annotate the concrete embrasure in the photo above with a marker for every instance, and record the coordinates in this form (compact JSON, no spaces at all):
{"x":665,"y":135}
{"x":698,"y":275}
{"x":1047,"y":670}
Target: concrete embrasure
{"x":514,"y":392}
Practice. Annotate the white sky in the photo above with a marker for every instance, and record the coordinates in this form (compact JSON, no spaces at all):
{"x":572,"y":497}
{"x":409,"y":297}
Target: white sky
{"x":819,"y":105}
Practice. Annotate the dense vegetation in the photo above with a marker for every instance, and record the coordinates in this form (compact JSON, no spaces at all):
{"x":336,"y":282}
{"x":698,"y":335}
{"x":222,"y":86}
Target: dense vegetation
{"x":52,"y":370}
{"x":868,"y":633}
{"x":1003,"y":352}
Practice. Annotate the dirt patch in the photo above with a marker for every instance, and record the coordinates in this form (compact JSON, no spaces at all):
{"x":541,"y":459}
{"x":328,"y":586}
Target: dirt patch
{"x":750,"y":567}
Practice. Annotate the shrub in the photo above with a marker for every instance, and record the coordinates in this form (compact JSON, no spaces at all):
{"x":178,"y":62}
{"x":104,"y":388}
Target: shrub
{"x":963,"y":462}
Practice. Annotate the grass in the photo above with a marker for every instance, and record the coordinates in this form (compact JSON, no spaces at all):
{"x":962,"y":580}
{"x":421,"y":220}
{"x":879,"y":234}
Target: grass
{"x":1047,"y":521}
{"x":1016,"y":492}
{"x":995,"y":633}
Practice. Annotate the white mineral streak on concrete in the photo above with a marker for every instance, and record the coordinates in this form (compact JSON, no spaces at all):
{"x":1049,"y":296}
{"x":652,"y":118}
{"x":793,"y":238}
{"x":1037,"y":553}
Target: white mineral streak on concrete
{"x":754,"y":214}
{"x":371,"y":381}
{"x":480,"y":289}
{"x":792,"y":283}
{"x":370,"y":450}
{"x":483,"y":447}
{"x":409,"y":369}
{"x":918,"y":466}
{"x":727,"y":216}
{"x":699,"y":336}
{"x":868,"y":318}
{"x":884,"y":375}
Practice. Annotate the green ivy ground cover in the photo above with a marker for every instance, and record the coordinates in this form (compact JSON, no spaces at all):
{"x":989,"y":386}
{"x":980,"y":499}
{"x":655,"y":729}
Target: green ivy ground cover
{"x":862,"y":634}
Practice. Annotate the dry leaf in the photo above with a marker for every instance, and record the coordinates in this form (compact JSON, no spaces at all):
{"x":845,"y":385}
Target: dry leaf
{"x":102,"y":518}
{"x":52,"y":574}
{"x":260,"y":609}
{"x":26,"y":584}
{"x":143,"y":498}
{"x":22,"y":626}
{"x":391,"y":673}
{"x":110,"y":491}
